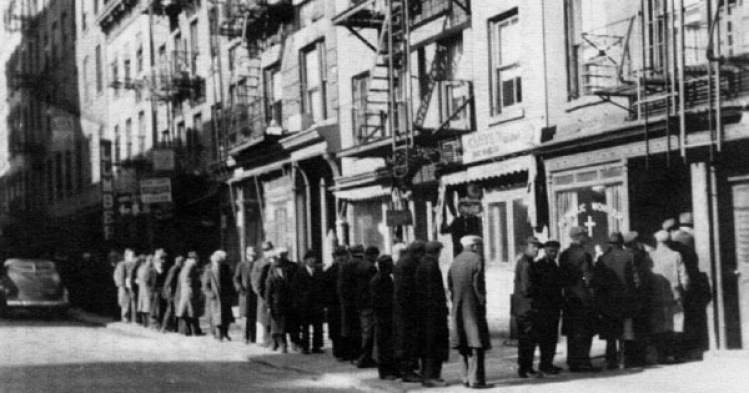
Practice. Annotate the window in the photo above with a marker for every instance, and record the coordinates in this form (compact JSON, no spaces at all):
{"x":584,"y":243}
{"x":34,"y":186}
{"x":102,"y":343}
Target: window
{"x":128,"y":138}
{"x":141,"y":132}
{"x":273,"y":94}
{"x":84,"y":14}
{"x":194,"y":47}
{"x":313,"y":81}
{"x":193,"y":139}
{"x":99,"y":82}
{"x":139,"y":53}
{"x":506,"y":46}
{"x":507,"y":226}
{"x":86,"y":81}
{"x":126,"y":66}
{"x":117,"y":145}
{"x":115,"y":73}
{"x":359,"y":96}
{"x":309,"y":12}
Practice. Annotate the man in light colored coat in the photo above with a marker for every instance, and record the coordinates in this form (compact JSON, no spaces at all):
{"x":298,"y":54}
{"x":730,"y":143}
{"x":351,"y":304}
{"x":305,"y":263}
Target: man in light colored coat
{"x":469,"y":330}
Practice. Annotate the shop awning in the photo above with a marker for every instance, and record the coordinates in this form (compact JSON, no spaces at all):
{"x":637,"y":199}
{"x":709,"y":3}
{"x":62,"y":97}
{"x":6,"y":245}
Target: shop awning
{"x":245,"y":174}
{"x":363,"y":193}
{"x":492,"y":169}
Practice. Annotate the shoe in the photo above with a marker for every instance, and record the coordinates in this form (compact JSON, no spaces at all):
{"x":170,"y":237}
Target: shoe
{"x":433,"y":383}
{"x":411,"y":378}
{"x":552,"y":370}
{"x":365,"y":363}
{"x":480,"y":386}
{"x":522,"y":373}
{"x":584,"y":369}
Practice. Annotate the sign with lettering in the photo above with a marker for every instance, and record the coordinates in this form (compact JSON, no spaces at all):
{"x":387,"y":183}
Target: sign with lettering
{"x":107,"y":188}
{"x":156,"y":190}
{"x":496,"y":142}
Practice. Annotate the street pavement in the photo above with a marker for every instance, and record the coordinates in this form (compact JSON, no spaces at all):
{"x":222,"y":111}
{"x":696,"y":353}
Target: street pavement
{"x":91,"y":354}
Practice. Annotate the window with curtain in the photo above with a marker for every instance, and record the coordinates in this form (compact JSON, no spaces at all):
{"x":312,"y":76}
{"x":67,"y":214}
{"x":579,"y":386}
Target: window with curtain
{"x":367,"y":220}
{"x":505,"y":49}
{"x":507,"y":226}
{"x":596,"y":208}
{"x":313,"y":81}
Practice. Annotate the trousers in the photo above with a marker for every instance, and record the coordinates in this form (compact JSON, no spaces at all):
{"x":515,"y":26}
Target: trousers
{"x":473,"y":372}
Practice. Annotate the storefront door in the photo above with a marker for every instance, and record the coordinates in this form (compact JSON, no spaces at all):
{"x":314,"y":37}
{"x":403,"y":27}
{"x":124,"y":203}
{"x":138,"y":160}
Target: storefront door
{"x":506,"y":226}
{"x":741,"y":223}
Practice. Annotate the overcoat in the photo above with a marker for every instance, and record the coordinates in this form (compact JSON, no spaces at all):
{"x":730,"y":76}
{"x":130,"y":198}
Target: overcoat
{"x":669,"y":282}
{"x":171,"y":284}
{"x":190,"y":303}
{"x":546,"y":288}
{"x":579,"y":316}
{"x":404,"y":306}
{"x":382,"y":288}
{"x":279,"y":298}
{"x":258,"y":278}
{"x":432,"y":325}
{"x":219,"y":292}
{"x":614,"y":286}
{"x":332,"y":302}
{"x":156,"y":281}
{"x":243,"y":286}
{"x":144,"y":289}
{"x":467,"y":286}
{"x":347,"y":295}
{"x":309,"y":292}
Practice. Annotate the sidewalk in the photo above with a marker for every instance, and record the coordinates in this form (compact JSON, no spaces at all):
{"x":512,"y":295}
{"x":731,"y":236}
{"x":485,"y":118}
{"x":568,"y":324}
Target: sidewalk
{"x":723,"y":372}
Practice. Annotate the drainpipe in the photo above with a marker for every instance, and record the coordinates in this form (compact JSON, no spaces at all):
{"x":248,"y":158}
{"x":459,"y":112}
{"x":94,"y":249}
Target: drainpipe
{"x":682,"y":88}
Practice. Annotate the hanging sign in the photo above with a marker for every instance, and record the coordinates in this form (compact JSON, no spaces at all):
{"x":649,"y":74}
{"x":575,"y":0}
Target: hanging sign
{"x":156,"y":190}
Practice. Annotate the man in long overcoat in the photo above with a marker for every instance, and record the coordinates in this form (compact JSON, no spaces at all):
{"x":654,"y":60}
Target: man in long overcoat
{"x":308,"y":290}
{"x":546,"y":302}
{"x":190,"y":305}
{"x":521,"y":307}
{"x":280,"y":299}
{"x":170,"y":293}
{"x":156,"y":279}
{"x":350,"y":326}
{"x":405,"y":312}
{"x":333,"y":303}
{"x":469,"y":330}
{"x":247,"y":297}
{"x":258,"y":277}
{"x":144,"y":290}
{"x":365,"y":270}
{"x":219,"y":290}
{"x":580,"y":317}
{"x":636,"y":355}
{"x":614,"y":285}
{"x":131,"y":270}
{"x":382,"y":289}
{"x":122,"y":284}
{"x":432,"y":328}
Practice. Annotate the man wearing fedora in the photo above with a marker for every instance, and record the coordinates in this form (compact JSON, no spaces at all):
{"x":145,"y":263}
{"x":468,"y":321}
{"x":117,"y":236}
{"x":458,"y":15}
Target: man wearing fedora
{"x":579,"y":319}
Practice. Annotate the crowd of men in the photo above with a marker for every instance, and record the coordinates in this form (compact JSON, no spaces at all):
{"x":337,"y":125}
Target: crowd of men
{"x":645,"y":299}
{"x":391,"y":312}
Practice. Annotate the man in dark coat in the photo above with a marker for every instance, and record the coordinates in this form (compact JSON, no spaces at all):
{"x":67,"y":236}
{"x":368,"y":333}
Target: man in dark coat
{"x":432,"y":328}
{"x":258,"y":277}
{"x":614,"y":286}
{"x":333,"y":303}
{"x":381,"y":288}
{"x":580,"y":317}
{"x":350,"y":329}
{"x":247,"y":297}
{"x":546,"y":303}
{"x":280,"y":299}
{"x":170,"y":293}
{"x":308,"y":289}
{"x":219,"y":290}
{"x":635,"y":355}
{"x":292,"y":318}
{"x":156,"y":279}
{"x":406,"y":313}
{"x":521,"y":307}
{"x":469,"y":330}
{"x":365,"y":270}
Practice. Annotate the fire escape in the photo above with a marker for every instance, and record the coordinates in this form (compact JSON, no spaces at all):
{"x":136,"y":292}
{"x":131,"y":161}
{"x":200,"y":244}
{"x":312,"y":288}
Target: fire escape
{"x":385,"y":124}
{"x":249,"y":26}
{"x":665,"y":65}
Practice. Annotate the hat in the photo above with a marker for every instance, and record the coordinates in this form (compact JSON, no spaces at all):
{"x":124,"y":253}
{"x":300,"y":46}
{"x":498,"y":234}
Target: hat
{"x":686,"y":219}
{"x":357,"y":250}
{"x":372,"y":250}
{"x":576,"y":232}
{"x":434,"y":246}
{"x":417,"y":246}
{"x":629,"y":237}
{"x":662,"y":236}
{"x":340,"y":251}
{"x":616,"y":238}
{"x":385,"y":260}
{"x":533,"y":240}
{"x":250,"y":250}
{"x":469,"y":240}
{"x":310,"y":254}
{"x":192,"y":254}
{"x":668,"y":224}
{"x":267,"y":246}
{"x":552,"y":243}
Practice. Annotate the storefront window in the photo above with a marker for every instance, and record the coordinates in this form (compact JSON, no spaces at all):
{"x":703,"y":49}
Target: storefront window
{"x":367,"y":221}
{"x":597,"y":208}
{"x":507,"y":227}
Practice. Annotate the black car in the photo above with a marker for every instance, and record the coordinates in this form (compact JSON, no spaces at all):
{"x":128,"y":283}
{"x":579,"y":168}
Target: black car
{"x":32,"y":284}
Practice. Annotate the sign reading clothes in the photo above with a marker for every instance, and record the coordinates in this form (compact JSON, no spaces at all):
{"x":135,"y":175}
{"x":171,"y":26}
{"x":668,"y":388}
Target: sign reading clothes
{"x":499,"y":141}
{"x":156,"y":190}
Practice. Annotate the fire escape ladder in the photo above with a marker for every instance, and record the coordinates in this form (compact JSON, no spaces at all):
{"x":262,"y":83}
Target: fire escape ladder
{"x":435,"y":74}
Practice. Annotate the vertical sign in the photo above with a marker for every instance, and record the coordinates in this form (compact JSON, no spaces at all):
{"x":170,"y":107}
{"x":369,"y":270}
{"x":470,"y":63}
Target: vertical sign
{"x":107,"y":189}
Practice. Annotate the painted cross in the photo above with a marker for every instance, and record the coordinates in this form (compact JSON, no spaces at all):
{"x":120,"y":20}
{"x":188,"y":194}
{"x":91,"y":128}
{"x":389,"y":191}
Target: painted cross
{"x":590,"y":224}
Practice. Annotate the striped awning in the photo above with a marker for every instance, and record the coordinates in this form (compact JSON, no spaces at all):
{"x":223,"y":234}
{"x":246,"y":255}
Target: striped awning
{"x":492,"y":169}
{"x":364,"y":193}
